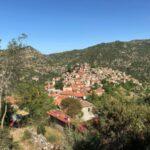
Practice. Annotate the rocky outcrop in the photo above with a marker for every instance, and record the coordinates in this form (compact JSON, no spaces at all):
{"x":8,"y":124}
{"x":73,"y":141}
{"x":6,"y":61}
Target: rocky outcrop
{"x":41,"y":143}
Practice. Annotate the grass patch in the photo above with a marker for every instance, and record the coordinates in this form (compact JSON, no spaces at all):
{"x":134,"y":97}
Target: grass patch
{"x":26,"y":135}
{"x":53,"y":135}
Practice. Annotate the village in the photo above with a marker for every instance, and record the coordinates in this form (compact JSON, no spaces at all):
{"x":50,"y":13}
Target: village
{"x":73,"y":87}
{"x":78,"y":84}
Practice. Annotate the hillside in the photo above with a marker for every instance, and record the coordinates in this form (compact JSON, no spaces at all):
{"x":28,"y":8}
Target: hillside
{"x":29,"y":58}
{"x":133,"y":57}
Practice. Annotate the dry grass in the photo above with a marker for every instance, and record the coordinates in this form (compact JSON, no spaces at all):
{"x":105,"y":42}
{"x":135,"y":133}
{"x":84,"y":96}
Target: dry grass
{"x":17,"y":135}
{"x":53,"y":135}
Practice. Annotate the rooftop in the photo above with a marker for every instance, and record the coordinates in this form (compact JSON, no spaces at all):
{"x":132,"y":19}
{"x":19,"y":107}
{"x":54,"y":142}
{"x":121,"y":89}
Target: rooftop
{"x":60,"y":115}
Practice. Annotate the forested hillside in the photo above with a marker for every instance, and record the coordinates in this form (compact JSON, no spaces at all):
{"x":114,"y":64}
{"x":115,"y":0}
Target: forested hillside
{"x":132,"y":57}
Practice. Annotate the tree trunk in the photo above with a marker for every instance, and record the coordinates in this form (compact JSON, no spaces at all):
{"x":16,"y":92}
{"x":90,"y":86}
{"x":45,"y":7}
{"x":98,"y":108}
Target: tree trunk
{"x":3,"y":118}
{"x":0,"y":105}
{"x":1,"y":102}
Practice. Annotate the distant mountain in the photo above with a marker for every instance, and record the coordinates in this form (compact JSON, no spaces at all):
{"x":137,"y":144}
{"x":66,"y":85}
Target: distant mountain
{"x":29,"y":56}
{"x":132,"y":57}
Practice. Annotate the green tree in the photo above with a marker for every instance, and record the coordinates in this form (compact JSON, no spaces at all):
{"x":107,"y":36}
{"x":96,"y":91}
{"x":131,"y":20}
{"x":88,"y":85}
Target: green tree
{"x":10,"y":72}
{"x":59,"y":84}
{"x":36,"y":100}
{"x":72,"y":106}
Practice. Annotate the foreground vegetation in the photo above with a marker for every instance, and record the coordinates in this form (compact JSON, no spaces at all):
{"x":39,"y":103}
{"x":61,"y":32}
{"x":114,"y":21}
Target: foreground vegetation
{"x":123,"y":123}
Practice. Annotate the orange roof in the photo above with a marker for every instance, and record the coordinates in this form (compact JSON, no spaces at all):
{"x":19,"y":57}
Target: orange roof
{"x":53,"y":95}
{"x":99,"y":90}
{"x":59,"y":99}
{"x":60,"y":116}
{"x":66,"y":93}
{"x":79,"y":94}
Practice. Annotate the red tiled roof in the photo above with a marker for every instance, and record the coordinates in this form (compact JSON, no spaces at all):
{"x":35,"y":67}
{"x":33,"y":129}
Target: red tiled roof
{"x":66,"y":93}
{"x":59,"y":99}
{"x":53,"y":95}
{"x":79,"y":94}
{"x":60,"y":116}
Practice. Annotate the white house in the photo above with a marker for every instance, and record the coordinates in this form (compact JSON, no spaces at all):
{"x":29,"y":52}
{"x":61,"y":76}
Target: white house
{"x":87,"y":110}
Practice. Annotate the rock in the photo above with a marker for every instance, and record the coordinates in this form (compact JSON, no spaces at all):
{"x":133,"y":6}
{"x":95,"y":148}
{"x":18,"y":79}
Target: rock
{"x":41,"y":142}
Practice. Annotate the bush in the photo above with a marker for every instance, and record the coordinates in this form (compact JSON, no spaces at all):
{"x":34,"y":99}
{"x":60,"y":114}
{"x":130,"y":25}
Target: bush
{"x":52,"y":138}
{"x":59,"y":84}
{"x":41,"y":129}
{"x":26,"y":135}
{"x":6,"y":141}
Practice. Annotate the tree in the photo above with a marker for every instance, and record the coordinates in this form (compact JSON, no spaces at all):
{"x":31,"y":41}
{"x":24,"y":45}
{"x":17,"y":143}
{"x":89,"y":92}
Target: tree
{"x":59,"y":84}
{"x":72,"y":106}
{"x":10,"y":71}
{"x":35,"y":100}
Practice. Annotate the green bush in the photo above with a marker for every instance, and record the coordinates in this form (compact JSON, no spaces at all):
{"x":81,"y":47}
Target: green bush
{"x":123,"y":123}
{"x":41,"y":129}
{"x":59,"y":84}
{"x":72,"y":106}
{"x":52,"y":138}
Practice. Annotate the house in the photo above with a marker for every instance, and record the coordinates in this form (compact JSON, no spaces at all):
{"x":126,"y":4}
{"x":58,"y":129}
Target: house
{"x":59,"y":117}
{"x":67,"y":89}
{"x":63,"y":120}
{"x":99,"y":91}
{"x":87,"y":110}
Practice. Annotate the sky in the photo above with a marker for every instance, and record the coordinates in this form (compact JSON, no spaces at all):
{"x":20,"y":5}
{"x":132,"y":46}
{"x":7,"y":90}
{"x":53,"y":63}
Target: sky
{"x":59,"y":25}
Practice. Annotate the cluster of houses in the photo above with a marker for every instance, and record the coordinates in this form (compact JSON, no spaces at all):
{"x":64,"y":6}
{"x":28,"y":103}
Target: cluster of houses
{"x":79,"y":84}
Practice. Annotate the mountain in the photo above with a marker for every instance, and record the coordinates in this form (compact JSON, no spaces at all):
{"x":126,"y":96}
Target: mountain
{"x":132,"y":57}
{"x":28,"y":56}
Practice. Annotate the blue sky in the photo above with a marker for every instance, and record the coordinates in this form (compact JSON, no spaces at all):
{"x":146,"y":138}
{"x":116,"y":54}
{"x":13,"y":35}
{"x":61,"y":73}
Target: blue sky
{"x":58,"y":25}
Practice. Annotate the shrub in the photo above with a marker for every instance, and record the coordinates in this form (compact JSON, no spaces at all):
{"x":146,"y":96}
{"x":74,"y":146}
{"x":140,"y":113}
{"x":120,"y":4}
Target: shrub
{"x":26,"y":135}
{"x":41,"y":129}
{"x":6,"y":141}
{"x":52,"y":138}
{"x":59,"y":84}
